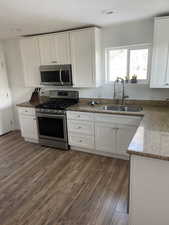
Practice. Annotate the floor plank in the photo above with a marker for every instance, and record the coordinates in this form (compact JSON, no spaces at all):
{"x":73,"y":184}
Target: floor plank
{"x":44,"y":186}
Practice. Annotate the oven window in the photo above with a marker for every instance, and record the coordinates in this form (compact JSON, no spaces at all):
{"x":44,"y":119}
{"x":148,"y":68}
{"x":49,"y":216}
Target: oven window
{"x":51,"y":127}
{"x":50,"y":76}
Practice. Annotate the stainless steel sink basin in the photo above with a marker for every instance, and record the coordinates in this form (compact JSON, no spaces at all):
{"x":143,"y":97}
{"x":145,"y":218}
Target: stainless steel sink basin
{"x":123,"y":108}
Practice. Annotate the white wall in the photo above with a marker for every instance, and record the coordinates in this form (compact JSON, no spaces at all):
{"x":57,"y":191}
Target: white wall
{"x":137,"y":32}
{"x":15,"y":75}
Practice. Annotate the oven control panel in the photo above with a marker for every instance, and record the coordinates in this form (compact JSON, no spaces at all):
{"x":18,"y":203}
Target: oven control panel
{"x":52,"y":111}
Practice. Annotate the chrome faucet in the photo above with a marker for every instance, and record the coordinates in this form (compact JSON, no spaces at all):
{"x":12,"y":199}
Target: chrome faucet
{"x":123,"y":90}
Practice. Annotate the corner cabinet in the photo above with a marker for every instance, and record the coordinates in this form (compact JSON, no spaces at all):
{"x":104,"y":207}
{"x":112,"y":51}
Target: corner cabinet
{"x":160,"y":60}
{"x":102,"y":134}
{"x":85,"y":57}
{"x":31,"y":61}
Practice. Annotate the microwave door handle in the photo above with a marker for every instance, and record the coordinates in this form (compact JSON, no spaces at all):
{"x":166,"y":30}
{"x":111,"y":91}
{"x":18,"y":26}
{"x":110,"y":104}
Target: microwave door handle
{"x":60,"y":73}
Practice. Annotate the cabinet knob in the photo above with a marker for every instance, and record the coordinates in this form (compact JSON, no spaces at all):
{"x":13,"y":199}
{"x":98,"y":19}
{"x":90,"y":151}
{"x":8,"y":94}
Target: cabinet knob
{"x":54,"y":62}
{"x":80,"y":141}
{"x":79,"y":127}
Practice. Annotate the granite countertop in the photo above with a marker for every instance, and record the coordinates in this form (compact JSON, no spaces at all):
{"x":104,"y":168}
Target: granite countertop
{"x":33,"y":104}
{"x":28,"y":104}
{"x":152,"y":136}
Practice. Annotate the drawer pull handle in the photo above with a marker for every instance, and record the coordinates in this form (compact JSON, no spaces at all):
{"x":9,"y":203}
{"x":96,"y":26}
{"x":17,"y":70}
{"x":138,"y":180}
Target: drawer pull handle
{"x":80,"y":141}
{"x":167,"y":84}
{"x":79,"y":127}
{"x":79,"y":116}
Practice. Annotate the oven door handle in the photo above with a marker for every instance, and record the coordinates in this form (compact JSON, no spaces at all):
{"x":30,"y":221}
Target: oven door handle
{"x":50,"y":115}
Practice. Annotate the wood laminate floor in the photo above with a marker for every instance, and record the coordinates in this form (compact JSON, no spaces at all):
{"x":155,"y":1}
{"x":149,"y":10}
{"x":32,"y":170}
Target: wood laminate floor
{"x":43,"y":186}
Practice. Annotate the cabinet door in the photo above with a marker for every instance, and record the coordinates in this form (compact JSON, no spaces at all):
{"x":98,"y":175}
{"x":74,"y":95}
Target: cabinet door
{"x":47,"y":50}
{"x":124,"y":137}
{"x":105,"y":137}
{"x":62,"y":48}
{"x":31,"y":61}
{"x":160,"y":61}
{"x":28,"y":127}
{"x":82,"y":57}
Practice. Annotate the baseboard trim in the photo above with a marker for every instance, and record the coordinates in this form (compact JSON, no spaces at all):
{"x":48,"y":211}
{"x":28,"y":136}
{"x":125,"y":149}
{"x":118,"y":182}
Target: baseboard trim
{"x":95,"y":152}
{"x":32,"y":140}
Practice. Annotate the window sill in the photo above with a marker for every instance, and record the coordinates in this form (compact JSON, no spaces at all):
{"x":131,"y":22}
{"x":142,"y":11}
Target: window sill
{"x":129,"y":84}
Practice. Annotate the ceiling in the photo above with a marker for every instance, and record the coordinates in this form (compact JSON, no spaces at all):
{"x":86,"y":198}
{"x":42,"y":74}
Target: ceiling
{"x":20,"y":17}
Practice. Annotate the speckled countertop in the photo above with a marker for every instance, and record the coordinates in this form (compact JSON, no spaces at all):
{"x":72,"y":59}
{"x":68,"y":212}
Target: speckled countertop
{"x":28,"y":104}
{"x":152,"y":136}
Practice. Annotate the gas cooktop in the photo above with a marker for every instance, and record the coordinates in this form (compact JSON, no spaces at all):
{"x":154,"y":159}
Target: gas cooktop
{"x":57,"y":104}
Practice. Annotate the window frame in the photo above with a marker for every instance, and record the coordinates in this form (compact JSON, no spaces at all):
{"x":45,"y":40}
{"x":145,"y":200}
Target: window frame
{"x":129,"y":48}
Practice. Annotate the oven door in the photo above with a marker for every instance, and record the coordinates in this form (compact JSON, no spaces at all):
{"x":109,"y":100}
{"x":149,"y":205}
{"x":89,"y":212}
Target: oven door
{"x":52,"y":127}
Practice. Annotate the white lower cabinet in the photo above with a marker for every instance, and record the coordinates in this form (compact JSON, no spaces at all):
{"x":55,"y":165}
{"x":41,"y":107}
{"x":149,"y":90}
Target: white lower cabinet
{"x":105,"y":137}
{"x":81,"y":140}
{"x":28,"y":124}
{"x":101,"y":133}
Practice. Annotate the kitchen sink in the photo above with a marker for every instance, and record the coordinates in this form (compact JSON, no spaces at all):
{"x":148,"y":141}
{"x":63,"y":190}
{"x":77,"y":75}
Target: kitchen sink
{"x":123,"y":108}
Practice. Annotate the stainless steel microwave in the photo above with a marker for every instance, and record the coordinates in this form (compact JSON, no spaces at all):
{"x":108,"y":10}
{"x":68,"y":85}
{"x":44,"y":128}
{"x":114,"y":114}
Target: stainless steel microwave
{"x":58,"y":75}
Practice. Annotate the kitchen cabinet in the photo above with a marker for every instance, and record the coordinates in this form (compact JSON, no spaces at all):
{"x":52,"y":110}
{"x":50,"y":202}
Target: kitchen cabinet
{"x":101,"y":133}
{"x":80,"y":130}
{"x":80,"y":48}
{"x":113,"y":138}
{"x":54,"y":48}
{"x":160,"y":59}
{"x":85,"y":57}
{"x":28,"y":124}
{"x":124,"y":136}
{"x":105,"y":137}
{"x":31,"y":61}
{"x":113,"y":133}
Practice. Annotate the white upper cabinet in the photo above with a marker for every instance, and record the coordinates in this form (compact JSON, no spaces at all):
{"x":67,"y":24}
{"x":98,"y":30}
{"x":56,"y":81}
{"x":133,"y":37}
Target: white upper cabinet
{"x":62,"y":48}
{"x":31,"y":61}
{"x":54,"y":49}
{"x":80,"y":48}
{"x":47,"y":50}
{"x":85,"y":57}
{"x":160,"y":61}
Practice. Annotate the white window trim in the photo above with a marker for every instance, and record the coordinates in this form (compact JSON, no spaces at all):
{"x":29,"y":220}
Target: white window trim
{"x":130,"y":47}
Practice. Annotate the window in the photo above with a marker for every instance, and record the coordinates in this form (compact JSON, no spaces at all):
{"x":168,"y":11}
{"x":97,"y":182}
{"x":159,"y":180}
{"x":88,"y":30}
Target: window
{"x":131,"y":60}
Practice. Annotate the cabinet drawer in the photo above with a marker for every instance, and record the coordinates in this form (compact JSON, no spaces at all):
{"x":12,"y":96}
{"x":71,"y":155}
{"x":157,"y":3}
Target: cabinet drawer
{"x":71,"y":115}
{"x":118,"y":119}
{"x":81,"y":127}
{"x":27,"y":111}
{"x":84,"y":141}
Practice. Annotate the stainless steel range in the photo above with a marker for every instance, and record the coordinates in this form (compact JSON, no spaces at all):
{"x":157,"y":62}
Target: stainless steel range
{"x":51,"y":119}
